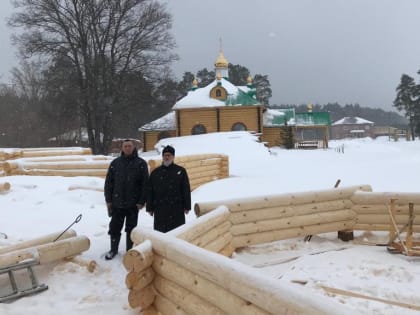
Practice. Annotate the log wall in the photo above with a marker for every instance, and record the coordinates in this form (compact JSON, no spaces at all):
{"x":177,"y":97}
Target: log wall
{"x":372,"y":210}
{"x":187,"y":279}
{"x":61,"y":165}
{"x":201,"y":168}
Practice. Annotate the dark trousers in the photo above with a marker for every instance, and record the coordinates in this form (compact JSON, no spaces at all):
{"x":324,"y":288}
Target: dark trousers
{"x":169,"y":223}
{"x":130,"y":215}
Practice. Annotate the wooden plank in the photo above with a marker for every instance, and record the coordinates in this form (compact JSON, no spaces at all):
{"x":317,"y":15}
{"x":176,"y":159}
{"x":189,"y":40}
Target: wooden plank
{"x":368,"y":297}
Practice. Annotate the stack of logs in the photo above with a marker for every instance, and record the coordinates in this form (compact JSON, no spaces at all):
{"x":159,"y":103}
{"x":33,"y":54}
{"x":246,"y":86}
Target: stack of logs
{"x":271,"y":218}
{"x":201,"y":168}
{"x":54,"y":161}
{"x":44,"y":249}
{"x":372,"y":210}
{"x":170,"y":276}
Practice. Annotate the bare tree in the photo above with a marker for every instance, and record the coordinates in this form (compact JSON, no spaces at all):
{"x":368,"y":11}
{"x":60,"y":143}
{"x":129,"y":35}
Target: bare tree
{"x":105,"y":40}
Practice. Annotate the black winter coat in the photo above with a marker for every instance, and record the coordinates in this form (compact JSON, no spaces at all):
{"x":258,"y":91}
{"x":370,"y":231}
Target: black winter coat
{"x":168,"y":193}
{"x":126,"y":180}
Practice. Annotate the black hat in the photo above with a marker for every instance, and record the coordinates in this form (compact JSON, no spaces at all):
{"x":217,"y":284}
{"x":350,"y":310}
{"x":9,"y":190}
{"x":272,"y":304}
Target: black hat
{"x":168,"y":149}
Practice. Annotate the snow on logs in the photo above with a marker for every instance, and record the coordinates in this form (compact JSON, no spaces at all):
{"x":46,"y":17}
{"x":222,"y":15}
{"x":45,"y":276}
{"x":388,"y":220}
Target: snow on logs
{"x":182,"y":278}
{"x":72,"y":165}
{"x":270,"y":218}
{"x":44,"y":249}
{"x":201,"y":168}
{"x":372,"y":209}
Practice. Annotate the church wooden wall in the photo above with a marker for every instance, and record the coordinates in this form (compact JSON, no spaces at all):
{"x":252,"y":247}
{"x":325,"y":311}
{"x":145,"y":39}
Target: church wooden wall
{"x":248,"y":115}
{"x":188,"y":118}
{"x":150,"y":138}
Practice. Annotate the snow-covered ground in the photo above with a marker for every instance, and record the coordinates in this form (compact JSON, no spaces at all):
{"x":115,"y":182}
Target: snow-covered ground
{"x":37,"y":206}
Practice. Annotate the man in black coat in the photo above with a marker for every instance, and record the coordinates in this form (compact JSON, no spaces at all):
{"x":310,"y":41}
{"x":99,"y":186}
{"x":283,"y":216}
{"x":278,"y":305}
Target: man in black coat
{"x":168,"y":193}
{"x":125,"y":194}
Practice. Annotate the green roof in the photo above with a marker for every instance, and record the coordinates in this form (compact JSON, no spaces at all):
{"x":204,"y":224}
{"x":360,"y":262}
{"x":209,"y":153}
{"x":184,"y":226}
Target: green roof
{"x":241,"y":98}
{"x":313,"y":119}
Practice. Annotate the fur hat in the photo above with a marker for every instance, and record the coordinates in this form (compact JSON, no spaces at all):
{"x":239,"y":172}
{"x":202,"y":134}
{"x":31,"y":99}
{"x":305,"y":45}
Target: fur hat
{"x":168,"y":149}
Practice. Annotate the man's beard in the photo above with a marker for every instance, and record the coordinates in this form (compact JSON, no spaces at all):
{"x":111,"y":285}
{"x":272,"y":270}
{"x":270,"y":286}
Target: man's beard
{"x":167,"y":163}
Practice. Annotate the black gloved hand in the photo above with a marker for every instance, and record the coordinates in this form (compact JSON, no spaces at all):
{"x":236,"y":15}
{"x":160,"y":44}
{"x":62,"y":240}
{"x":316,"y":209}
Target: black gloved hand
{"x":109,"y":208}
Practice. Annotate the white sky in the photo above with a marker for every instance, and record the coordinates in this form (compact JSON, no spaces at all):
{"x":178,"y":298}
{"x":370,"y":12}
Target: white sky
{"x":37,"y":206}
{"x":313,"y":51}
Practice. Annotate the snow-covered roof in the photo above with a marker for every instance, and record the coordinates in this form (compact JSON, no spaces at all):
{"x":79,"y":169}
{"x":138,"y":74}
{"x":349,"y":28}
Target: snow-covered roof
{"x":166,"y":122}
{"x":201,"y":96}
{"x":276,"y":117}
{"x":352,"y":121}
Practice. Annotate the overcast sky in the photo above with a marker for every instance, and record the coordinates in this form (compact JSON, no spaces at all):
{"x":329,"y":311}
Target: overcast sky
{"x":313,"y":51}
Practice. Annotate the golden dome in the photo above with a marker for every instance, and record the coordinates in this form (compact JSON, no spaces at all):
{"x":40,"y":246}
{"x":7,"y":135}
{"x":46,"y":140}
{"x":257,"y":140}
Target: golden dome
{"x":221,"y":61}
{"x":195,"y":82}
{"x":249,"y":79}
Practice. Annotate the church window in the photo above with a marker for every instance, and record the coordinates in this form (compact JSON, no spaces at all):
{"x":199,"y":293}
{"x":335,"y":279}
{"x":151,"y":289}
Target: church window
{"x":198,"y":129}
{"x":239,"y":127}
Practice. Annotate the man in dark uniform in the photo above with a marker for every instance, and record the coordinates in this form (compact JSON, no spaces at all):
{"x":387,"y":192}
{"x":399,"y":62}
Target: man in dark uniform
{"x":168,"y":193}
{"x":125,"y":194}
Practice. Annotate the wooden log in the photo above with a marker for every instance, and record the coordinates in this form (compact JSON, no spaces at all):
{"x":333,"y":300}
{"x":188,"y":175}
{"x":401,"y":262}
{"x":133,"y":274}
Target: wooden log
{"x":194,"y":229}
{"x":288,"y":211}
{"x":203,"y":174}
{"x":214,"y":165}
{"x":212,"y":235}
{"x":199,"y":163}
{"x":69,"y":158}
{"x":270,"y":201}
{"x":195,"y":157}
{"x":49,"y":252}
{"x":73,"y":165}
{"x":219,"y":243}
{"x":382,"y":219}
{"x":142,"y":298}
{"x":384,"y":198}
{"x":165,"y":306}
{"x":300,"y":221}
{"x":90,"y":265}
{"x":81,"y":151}
{"x":138,"y":280}
{"x":45,"y":239}
{"x":66,"y":173}
{"x":368,"y":297}
{"x":139,"y":257}
{"x":271,"y":295}
{"x":76,"y":187}
{"x":382,"y":209}
{"x":205,"y":289}
{"x":380,"y":227}
{"x":228,"y":250}
{"x":192,"y":303}
{"x":276,"y":235}
{"x":4,"y":187}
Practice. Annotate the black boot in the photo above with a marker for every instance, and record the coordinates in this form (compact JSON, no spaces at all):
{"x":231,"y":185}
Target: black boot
{"x":129,"y":242}
{"x":115,"y":241}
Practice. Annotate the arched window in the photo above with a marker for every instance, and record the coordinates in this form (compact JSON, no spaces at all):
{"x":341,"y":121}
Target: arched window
{"x":218,"y":93}
{"x":198,"y":129}
{"x":238,"y":127}
{"x":163,"y":135}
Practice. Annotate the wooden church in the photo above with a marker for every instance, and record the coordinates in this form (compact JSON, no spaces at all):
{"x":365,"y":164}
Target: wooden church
{"x":218,"y":107}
